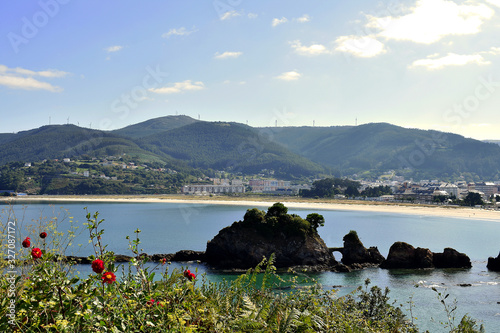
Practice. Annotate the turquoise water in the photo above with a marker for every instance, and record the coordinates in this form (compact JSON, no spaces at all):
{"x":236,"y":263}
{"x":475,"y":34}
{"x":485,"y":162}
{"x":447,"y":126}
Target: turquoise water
{"x":168,"y":227}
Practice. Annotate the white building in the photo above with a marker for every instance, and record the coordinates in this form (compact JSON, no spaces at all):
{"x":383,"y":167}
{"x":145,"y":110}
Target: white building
{"x":212,"y":189}
{"x":268,"y":185}
{"x":488,"y":188}
{"x":452,"y":189}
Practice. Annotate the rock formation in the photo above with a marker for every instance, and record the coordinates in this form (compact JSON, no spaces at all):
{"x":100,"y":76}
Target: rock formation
{"x":494,"y":263}
{"x":293,"y":240}
{"x":354,"y":252}
{"x":403,"y":255}
{"x":451,"y":258}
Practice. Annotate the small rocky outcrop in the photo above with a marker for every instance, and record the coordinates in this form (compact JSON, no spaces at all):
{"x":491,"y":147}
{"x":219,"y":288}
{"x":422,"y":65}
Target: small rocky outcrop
{"x":188,"y":255}
{"x":404,"y":255}
{"x":451,"y":258}
{"x":293,"y":240}
{"x":494,"y":263}
{"x":354,"y":252}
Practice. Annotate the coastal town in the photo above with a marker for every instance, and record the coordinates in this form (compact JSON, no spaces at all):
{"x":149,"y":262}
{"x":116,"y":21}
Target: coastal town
{"x":121,"y":175}
{"x":424,"y":191}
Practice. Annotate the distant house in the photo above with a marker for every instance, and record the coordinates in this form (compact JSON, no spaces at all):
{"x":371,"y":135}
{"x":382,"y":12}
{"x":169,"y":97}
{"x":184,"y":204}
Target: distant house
{"x":452,"y":189}
{"x":66,"y":160}
{"x":387,"y":197}
{"x":10,"y":192}
{"x":27,"y":164}
{"x":268,"y":185}
{"x":487,"y":188}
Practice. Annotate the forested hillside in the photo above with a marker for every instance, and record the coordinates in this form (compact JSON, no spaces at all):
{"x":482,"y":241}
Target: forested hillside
{"x":229,"y":146}
{"x":367,"y":151}
{"x":373,"y":149}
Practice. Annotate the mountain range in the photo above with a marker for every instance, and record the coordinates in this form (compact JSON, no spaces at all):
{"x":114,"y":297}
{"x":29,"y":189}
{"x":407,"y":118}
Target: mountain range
{"x":368,"y":150}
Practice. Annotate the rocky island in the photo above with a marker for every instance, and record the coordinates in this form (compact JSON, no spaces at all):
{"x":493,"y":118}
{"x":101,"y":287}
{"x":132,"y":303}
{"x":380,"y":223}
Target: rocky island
{"x":294,"y":241}
{"x":404,"y":255}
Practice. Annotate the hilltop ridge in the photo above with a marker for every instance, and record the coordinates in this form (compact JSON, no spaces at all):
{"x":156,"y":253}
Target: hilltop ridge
{"x":367,"y":150}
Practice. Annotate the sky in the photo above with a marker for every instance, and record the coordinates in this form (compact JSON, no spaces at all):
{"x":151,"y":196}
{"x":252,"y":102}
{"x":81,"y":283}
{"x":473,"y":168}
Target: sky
{"x":428,"y":64}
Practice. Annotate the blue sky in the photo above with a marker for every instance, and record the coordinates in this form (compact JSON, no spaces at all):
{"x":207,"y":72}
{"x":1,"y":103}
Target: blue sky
{"x":429,"y":64}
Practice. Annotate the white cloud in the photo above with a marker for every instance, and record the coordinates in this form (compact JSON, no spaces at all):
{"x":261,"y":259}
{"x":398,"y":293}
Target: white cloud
{"x":494,"y":2}
{"x":229,"y":14}
{"x":289,"y":76}
{"x":234,"y":82}
{"x":227,"y":55}
{"x":451,"y":59}
{"x":252,"y":15}
{"x":312,"y":50}
{"x":179,"y":87}
{"x":114,"y":48}
{"x":178,"y":32}
{"x":303,"y":19}
{"x":22,"y":71}
{"x":364,"y":46}
{"x":277,"y":21}
{"x":27,"y":83}
{"x":21,"y":78}
{"x":495,"y":50}
{"x":431,"y":20}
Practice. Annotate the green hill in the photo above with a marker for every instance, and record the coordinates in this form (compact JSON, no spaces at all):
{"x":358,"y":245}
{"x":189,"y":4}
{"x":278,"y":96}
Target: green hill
{"x":154,"y":126}
{"x":229,"y":146}
{"x":368,"y":150}
{"x":61,"y":141}
{"x":379,"y":147}
{"x":6,"y":137}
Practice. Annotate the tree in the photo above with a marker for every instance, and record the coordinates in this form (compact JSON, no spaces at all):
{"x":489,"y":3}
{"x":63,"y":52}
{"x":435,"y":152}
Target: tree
{"x":254,"y":216}
{"x":316,"y":220}
{"x":328,"y":187}
{"x":472,"y":199}
{"x":277,"y":210}
{"x":351,"y":191}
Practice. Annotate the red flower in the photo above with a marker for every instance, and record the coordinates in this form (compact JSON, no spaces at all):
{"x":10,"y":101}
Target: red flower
{"x":108,"y":277}
{"x":190,"y":276}
{"x":43,"y":235}
{"x":36,"y":253}
{"x":163,"y":261}
{"x":98,"y":266}
{"x":26,"y":242}
{"x":150,"y":302}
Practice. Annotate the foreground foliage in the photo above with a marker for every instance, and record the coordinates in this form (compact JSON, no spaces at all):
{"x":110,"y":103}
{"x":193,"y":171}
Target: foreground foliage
{"x":49,"y":298}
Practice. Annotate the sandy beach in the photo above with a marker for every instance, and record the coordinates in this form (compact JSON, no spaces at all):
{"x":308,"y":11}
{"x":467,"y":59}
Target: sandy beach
{"x":344,"y":205}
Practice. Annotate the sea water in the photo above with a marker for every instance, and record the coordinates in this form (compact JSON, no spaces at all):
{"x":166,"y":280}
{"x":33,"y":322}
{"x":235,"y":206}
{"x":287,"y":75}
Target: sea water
{"x":170,"y":227}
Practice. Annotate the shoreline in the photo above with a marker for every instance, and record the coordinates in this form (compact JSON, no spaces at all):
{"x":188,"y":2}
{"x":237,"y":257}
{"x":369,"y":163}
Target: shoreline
{"x":290,"y":202}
